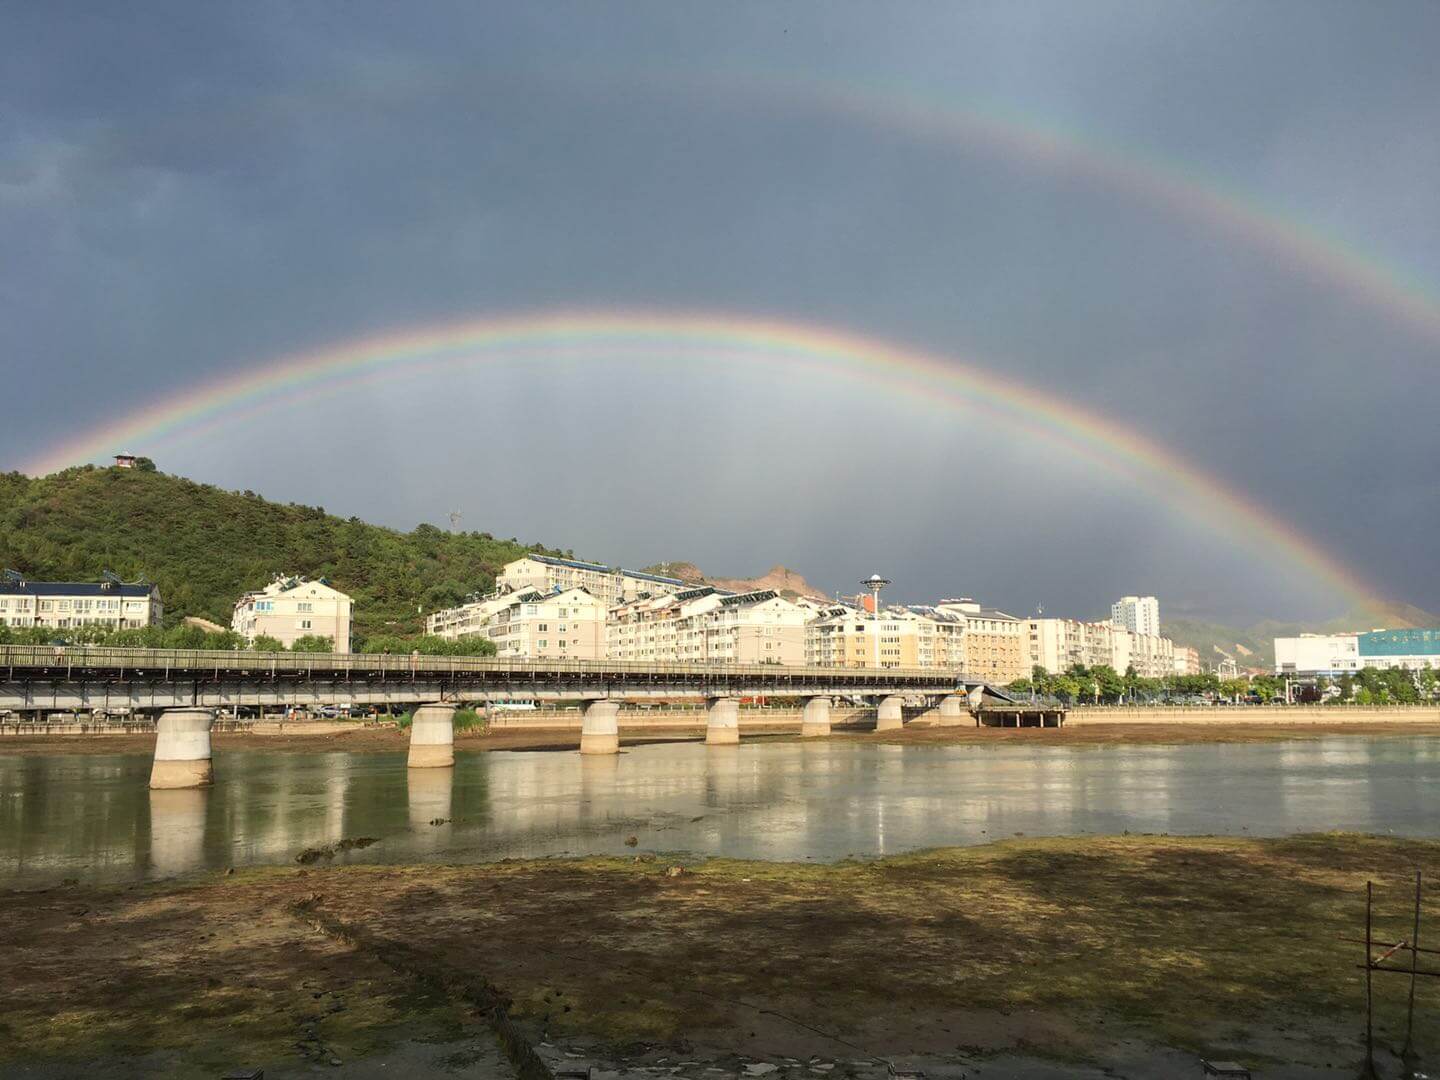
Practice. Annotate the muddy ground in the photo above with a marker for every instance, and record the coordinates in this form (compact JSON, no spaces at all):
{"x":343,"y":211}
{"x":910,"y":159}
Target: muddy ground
{"x":1027,"y":958}
{"x":373,"y":739}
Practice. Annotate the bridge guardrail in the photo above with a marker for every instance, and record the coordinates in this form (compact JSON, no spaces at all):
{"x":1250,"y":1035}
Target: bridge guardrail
{"x":50,"y":657}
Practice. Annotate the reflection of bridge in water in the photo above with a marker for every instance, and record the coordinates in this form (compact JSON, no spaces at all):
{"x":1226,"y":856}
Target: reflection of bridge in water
{"x":186,"y":687}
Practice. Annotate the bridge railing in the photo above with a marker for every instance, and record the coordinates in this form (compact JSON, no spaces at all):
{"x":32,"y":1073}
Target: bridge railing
{"x":112,"y":658}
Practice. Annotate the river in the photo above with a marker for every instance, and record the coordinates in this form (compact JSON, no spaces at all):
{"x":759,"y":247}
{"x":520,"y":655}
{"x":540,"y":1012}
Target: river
{"x":92,"y":818}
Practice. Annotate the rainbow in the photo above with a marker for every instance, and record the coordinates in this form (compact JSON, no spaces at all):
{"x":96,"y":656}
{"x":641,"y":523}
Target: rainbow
{"x":1179,"y":190}
{"x":585,"y":336}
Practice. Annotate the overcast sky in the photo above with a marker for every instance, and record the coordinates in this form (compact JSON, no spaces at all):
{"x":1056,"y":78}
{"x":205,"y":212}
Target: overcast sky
{"x":189,"y":190}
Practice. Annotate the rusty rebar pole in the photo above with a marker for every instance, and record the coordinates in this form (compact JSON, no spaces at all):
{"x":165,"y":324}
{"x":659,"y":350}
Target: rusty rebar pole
{"x":1368,"y":1072}
{"x":1407,"y":1055}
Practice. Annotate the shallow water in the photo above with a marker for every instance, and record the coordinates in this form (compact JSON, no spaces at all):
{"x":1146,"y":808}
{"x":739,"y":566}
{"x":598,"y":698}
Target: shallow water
{"x":93,"y":818}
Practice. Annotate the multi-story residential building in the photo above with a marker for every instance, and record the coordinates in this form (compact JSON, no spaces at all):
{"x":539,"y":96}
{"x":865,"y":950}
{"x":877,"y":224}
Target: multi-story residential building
{"x":65,"y":605}
{"x":610,"y":585}
{"x":919,"y":637}
{"x":1059,"y":644}
{"x":566,"y":625}
{"x":290,"y":608}
{"x":706,"y":625}
{"x":994,"y":641}
{"x":1138,"y":614}
{"x":468,"y":619}
{"x":1340,"y":654}
{"x":1187,"y":660}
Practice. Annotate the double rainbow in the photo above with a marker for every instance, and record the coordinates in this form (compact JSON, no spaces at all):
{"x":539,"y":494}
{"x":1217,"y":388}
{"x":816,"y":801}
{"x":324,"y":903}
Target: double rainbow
{"x":599,"y":337}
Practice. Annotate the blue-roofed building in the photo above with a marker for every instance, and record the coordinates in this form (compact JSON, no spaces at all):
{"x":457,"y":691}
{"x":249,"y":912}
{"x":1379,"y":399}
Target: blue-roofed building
{"x":1341,"y":654}
{"x":66,"y":605}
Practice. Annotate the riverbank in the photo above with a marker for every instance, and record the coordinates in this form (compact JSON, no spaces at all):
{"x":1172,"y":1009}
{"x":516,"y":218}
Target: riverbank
{"x":368,"y":739}
{"x":1023,"y":958}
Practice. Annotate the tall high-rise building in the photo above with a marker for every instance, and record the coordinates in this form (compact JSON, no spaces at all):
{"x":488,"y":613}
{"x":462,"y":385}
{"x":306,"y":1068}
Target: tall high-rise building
{"x":1138,"y":614}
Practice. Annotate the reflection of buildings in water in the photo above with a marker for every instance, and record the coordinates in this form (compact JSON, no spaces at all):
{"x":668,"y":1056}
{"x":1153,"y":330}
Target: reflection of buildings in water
{"x":177,"y":830}
{"x":429,"y":793}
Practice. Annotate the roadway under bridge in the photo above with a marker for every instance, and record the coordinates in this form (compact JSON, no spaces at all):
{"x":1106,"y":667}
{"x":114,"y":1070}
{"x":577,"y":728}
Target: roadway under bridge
{"x":40,"y":679}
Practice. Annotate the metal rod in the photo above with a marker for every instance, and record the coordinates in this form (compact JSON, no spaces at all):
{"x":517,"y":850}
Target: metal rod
{"x":1408,"y":1053}
{"x":1369,"y":1069}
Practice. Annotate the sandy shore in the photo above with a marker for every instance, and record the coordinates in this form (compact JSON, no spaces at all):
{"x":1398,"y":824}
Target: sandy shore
{"x":382,"y":739}
{"x":1027,"y":958}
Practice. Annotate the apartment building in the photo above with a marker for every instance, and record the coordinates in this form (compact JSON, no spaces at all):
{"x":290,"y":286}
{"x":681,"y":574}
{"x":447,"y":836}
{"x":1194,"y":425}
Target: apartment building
{"x":919,"y":637}
{"x":468,"y":619}
{"x":707,"y":625}
{"x":290,"y":608}
{"x":994,"y":641}
{"x":609,"y":584}
{"x":1059,"y":644}
{"x":1138,"y":614}
{"x":531,"y":625}
{"x":1187,"y":660}
{"x":64,"y":605}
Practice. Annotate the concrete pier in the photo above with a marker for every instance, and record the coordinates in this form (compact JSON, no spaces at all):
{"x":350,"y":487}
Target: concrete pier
{"x":599,"y":728}
{"x":953,"y":711}
{"x":182,"y":749}
{"x":722,"y":724}
{"x":816,"y":718}
{"x":432,"y":737}
{"x":890,"y":715}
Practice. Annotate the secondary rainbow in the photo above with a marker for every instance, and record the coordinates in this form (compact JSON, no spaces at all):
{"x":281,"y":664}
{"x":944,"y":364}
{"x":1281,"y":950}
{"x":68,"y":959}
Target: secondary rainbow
{"x":608,"y":336}
{"x":1178,"y":189}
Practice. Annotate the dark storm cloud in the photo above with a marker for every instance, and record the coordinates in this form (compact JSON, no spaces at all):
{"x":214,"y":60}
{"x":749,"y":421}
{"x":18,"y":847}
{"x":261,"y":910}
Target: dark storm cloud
{"x":191,"y":190}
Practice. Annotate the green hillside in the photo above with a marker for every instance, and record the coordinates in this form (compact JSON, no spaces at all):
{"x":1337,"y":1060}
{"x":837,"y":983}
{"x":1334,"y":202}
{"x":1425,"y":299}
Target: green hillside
{"x":205,"y":546}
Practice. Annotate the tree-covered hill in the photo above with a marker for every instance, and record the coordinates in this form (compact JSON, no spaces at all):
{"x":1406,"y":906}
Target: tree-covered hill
{"x":205,"y":546}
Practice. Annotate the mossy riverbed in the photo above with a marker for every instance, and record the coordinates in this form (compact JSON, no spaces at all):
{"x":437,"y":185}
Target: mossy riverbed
{"x":1073,"y":950}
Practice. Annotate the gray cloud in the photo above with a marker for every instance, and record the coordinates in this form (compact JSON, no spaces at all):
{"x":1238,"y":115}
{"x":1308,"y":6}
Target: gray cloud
{"x":194,"y":191}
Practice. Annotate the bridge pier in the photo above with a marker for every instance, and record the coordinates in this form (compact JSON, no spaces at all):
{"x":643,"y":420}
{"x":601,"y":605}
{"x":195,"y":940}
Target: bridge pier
{"x":890,"y":714}
{"x":600,"y":727}
{"x":816,"y":718}
{"x":951,"y":712}
{"x":182,"y":749}
{"x":432,"y":737}
{"x":722,"y":722}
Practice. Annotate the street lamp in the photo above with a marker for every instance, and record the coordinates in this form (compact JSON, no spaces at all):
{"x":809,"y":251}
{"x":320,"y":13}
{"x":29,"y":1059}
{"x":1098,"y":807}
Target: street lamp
{"x":873,"y":584}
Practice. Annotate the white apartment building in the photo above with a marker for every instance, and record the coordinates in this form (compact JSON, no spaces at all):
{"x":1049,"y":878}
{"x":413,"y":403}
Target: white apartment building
{"x":531,"y":625}
{"x":706,"y":625}
{"x":1138,"y":614}
{"x":468,"y":619}
{"x":1187,"y":660}
{"x":1059,"y":644}
{"x":290,"y":608}
{"x":62,"y":605}
{"x":609,"y":584}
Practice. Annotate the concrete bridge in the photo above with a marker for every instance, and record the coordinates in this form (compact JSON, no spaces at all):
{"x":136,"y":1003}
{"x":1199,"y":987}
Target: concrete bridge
{"x":187,"y":687}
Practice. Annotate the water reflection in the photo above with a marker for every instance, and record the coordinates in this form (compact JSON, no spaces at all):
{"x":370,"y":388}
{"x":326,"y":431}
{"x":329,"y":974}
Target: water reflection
{"x":94,"y":818}
{"x":177,"y":830}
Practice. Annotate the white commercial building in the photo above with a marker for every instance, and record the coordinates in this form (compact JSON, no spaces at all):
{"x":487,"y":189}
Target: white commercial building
{"x":65,"y":605}
{"x":1341,"y":654}
{"x":290,"y":608}
{"x":1138,"y":614}
{"x":705,"y":625}
{"x":609,"y":584}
